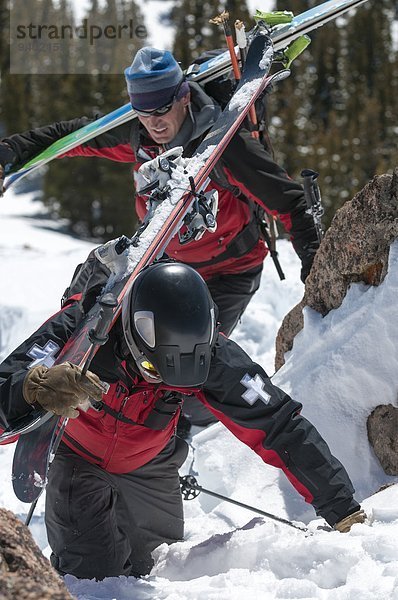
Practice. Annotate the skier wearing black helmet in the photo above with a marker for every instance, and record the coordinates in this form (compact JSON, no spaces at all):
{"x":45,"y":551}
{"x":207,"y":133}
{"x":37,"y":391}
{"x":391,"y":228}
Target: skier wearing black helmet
{"x":113,"y":492}
{"x":179,"y":341}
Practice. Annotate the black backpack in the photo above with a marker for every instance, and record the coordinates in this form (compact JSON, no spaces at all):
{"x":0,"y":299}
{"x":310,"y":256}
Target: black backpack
{"x":221,"y":90}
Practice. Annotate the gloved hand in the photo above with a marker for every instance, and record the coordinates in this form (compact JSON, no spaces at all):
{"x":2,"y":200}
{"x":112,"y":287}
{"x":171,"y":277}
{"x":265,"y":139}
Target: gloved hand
{"x":306,"y":265}
{"x":153,"y":171}
{"x":307,"y":256}
{"x":61,"y":389}
{"x":7,"y":159}
{"x":345,"y":524}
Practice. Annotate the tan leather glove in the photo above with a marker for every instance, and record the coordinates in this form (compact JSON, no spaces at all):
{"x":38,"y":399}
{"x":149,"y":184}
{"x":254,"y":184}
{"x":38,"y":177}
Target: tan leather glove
{"x":345,"y":525}
{"x":61,"y":389}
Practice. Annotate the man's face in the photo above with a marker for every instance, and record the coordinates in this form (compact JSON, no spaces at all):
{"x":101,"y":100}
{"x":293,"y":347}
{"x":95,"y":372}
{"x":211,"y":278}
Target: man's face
{"x":164,"y":128}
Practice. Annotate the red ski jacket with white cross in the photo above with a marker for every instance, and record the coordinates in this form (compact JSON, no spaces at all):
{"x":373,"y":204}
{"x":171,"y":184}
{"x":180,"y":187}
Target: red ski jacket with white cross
{"x":246,"y":178}
{"x":139,"y":418}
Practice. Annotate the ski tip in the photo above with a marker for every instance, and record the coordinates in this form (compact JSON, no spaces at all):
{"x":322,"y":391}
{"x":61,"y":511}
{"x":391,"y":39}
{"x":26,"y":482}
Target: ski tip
{"x":273,"y":18}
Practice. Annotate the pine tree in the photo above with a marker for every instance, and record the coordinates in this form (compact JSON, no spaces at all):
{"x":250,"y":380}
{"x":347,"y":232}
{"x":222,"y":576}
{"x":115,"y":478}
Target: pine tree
{"x":95,"y":195}
{"x":194,"y":33}
{"x":337,"y":113}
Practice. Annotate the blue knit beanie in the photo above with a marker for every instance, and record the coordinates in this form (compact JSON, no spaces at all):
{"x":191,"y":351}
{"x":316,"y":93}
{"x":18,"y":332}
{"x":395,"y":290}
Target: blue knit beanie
{"x":152,"y":79}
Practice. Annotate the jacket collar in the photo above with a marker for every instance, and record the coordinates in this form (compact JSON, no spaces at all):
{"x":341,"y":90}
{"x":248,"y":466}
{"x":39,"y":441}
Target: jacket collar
{"x":202,"y":113}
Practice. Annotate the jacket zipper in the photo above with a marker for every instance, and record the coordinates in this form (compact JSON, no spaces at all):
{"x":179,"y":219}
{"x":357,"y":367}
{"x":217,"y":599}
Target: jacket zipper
{"x":303,"y":475}
{"x":112,"y":444}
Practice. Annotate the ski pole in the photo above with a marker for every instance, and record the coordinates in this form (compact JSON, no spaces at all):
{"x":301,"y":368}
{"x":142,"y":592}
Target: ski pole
{"x":190,"y":489}
{"x":241,"y":40}
{"x":312,"y":196}
{"x":54,"y":449}
{"x":98,"y":337}
{"x":272,"y":248}
{"x":223,"y":19}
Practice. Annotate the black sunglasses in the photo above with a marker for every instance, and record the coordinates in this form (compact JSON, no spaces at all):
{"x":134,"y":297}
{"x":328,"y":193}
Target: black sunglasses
{"x":162,"y":110}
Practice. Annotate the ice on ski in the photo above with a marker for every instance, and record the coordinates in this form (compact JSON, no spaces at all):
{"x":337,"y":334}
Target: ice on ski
{"x":179,"y":184}
{"x":266,"y":61}
{"x":243,"y":95}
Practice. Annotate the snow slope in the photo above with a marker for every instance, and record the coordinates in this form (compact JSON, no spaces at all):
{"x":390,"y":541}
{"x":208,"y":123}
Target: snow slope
{"x":341,"y":367}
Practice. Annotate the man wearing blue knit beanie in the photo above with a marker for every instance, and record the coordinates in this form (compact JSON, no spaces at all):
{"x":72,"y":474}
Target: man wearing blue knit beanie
{"x":155,"y":80}
{"x":175,"y":112}
{"x":153,"y":75}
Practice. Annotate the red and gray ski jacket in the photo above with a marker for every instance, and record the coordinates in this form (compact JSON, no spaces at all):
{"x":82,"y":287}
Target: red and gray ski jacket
{"x":138,"y":418}
{"x":246,"y":178}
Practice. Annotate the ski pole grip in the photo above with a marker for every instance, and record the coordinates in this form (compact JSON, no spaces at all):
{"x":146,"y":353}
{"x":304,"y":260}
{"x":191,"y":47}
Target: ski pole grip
{"x":311,"y":190}
{"x":312,"y":195}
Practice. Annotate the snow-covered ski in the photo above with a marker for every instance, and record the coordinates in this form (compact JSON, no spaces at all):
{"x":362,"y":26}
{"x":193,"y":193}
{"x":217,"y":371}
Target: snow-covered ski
{"x":281,"y":35}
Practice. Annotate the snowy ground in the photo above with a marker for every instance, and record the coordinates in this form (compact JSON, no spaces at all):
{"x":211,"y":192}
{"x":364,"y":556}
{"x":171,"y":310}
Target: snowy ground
{"x":340,"y":368}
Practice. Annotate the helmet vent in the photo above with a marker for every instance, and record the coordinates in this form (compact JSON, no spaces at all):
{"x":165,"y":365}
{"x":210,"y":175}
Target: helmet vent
{"x":170,"y":360}
{"x":213,"y":324}
{"x":145,"y":326}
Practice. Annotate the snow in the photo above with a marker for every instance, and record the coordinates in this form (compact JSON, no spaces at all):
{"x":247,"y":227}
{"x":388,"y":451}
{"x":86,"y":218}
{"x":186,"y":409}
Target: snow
{"x":341,"y":367}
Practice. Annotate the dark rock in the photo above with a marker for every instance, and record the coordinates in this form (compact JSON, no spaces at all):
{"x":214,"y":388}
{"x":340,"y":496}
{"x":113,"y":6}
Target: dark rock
{"x":382,"y":427}
{"x":25,"y":574}
{"x":292,"y":324}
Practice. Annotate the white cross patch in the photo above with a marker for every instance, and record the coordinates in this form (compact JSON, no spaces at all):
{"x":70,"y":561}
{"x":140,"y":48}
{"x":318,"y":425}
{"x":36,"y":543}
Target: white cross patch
{"x":43,"y":356}
{"x":255,"y":389}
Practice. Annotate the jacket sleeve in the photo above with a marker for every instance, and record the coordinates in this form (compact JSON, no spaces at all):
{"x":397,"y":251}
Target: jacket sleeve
{"x":242,"y":396}
{"x":113,"y":144}
{"x":13,"y":369}
{"x":251,"y":168}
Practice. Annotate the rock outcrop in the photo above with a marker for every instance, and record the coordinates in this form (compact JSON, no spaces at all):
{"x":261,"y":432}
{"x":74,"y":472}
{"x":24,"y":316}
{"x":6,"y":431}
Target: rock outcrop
{"x":382,"y":428}
{"x":355,"y":249}
{"x":25,"y":574}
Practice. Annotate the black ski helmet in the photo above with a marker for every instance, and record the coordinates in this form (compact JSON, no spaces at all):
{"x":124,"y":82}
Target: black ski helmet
{"x":169,"y":324}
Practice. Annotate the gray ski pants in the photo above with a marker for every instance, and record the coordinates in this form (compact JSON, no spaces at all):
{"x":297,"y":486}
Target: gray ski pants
{"x":101,"y":524}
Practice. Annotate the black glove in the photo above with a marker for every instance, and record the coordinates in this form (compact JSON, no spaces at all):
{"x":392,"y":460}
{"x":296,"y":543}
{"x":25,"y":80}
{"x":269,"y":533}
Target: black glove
{"x":306,"y":264}
{"x":307,"y":254}
{"x":7,"y":159}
